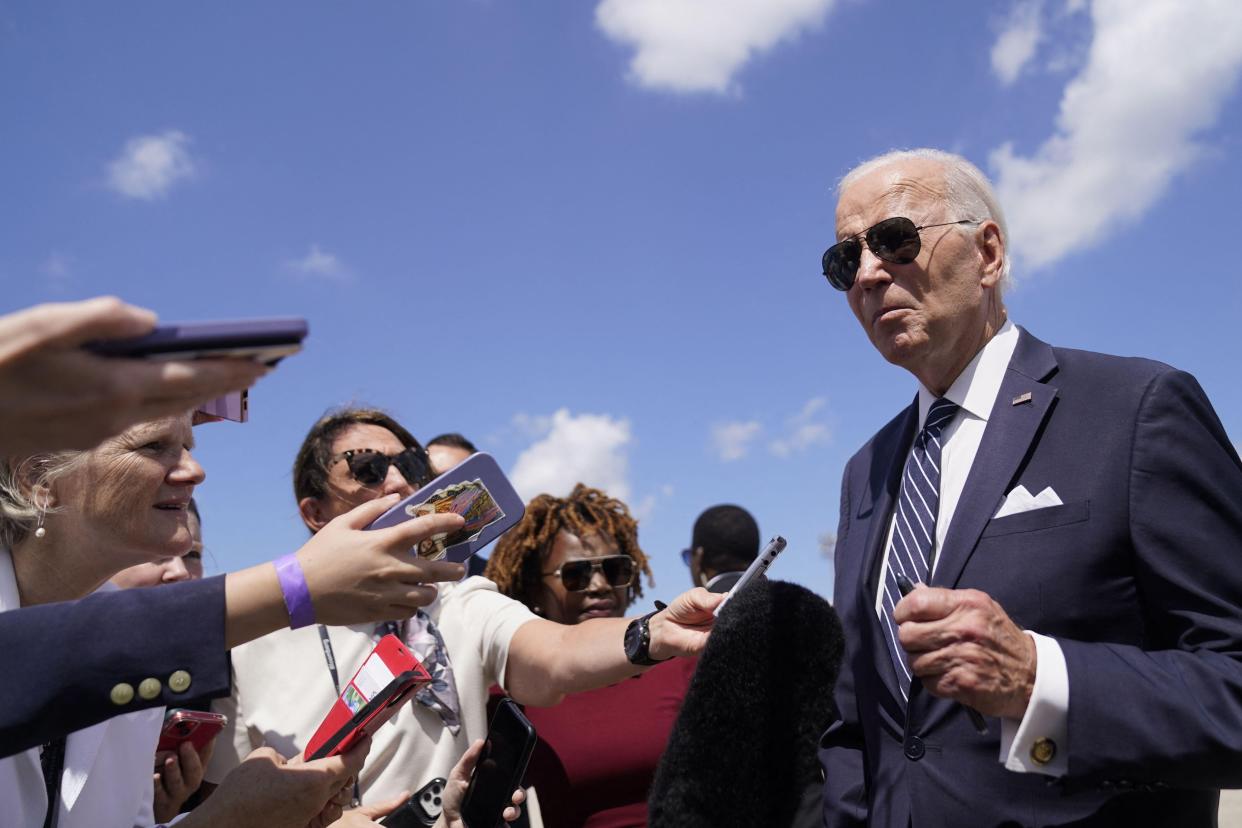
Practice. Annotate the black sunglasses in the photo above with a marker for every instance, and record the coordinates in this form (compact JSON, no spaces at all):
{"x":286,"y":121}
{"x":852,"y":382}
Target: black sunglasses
{"x":370,"y":467}
{"x":894,"y":240}
{"x":576,"y":575}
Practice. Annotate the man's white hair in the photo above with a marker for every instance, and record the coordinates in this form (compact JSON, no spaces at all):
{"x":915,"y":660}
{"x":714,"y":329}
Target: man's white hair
{"x":967,"y":191}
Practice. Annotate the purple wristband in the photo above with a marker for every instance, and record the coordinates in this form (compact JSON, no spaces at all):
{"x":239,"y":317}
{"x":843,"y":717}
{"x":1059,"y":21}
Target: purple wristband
{"x":297,"y":595}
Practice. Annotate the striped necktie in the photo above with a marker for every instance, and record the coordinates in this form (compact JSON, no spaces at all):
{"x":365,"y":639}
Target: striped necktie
{"x":914,"y":527}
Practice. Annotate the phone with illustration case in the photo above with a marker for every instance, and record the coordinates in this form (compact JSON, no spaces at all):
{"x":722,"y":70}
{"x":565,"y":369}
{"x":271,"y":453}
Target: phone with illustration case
{"x":477,"y":490}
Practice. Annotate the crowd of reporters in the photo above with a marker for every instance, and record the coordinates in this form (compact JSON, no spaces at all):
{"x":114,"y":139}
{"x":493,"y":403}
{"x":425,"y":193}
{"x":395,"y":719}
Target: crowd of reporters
{"x":96,"y":503}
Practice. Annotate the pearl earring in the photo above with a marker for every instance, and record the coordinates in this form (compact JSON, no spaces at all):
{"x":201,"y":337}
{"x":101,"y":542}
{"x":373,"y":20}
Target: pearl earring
{"x":39,"y":531}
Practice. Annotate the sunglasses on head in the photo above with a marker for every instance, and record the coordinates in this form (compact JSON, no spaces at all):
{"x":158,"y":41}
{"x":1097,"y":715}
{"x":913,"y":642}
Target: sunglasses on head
{"x":370,"y":467}
{"x":576,"y":575}
{"x":894,"y":240}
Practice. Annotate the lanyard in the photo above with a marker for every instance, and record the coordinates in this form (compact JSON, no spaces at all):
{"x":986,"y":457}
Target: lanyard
{"x":52,"y":761}
{"x":329,"y":655}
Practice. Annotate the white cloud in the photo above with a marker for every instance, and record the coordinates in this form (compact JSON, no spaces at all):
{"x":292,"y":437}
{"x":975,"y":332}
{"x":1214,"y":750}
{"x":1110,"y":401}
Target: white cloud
{"x":803,"y":430}
{"x":1156,"y":76}
{"x":698,"y":45}
{"x":731,"y":441}
{"x":586,"y":448}
{"x":150,"y":165}
{"x":1015,"y":47}
{"x":320,"y":264}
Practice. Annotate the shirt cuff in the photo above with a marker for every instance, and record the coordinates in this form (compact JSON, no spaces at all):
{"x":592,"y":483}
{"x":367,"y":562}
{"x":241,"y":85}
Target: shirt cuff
{"x":1039,"y":743}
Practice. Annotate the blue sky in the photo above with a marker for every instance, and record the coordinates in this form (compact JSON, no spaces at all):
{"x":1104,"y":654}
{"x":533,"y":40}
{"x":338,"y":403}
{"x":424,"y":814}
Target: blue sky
{"x":587,"y":234}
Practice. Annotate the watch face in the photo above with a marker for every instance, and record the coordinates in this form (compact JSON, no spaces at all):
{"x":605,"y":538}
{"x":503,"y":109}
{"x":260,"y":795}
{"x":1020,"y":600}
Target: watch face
{"x":633,"y":640}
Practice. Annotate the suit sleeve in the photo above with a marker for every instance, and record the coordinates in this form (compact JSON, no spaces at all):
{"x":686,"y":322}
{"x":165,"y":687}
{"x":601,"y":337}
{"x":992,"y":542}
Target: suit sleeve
{"x":1169,"y":712}
{"x":71,"y":655}
{"x":841,"y":746}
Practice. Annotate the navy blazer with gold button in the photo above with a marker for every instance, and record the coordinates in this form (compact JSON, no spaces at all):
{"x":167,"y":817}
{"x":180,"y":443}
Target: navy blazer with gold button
{"x":1137,"y":575}
{"x":71,"y":663}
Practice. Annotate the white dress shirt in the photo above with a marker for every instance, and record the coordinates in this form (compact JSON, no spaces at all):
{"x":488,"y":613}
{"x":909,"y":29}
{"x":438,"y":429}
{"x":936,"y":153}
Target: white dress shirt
{"x":975,"y":391}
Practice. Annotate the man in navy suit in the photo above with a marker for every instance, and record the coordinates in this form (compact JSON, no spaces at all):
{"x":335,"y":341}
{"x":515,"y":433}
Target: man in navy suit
{"x":1066,"y":528}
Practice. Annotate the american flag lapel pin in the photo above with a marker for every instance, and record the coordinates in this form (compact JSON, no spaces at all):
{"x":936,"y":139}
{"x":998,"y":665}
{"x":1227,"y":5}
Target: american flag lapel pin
{"x":1022,"y":398}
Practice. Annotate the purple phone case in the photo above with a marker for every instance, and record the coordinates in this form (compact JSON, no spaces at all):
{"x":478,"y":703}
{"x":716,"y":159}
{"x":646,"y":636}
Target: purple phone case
{"x":475,"y":488}
{"x":184,"y":338}
{"x":234,"y":406}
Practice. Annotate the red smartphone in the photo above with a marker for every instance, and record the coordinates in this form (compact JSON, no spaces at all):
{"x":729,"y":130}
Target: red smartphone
{"x":385,"y":681}
{"x":193,"y":726}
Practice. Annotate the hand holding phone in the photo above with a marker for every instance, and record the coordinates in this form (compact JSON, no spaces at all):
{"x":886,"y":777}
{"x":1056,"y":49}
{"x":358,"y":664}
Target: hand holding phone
{"x":193,"y":726}
{"x":387,"y":679}
{"x":422,"y":809}
{"x":477,"y":490}
{"x":264,"y":340}
{"x":501,"y":765}
{"x":757,"y":567}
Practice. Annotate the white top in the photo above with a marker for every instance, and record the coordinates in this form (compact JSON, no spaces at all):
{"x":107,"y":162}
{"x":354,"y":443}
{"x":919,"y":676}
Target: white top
{"x":108,"y":767}
{"x":975,"y":391}
{"x":282,"y":690}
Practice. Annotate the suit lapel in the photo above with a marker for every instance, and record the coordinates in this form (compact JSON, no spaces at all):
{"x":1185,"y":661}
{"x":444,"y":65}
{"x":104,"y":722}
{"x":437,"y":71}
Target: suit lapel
{"x":888,"y":460}
{"x":1020,"y":409}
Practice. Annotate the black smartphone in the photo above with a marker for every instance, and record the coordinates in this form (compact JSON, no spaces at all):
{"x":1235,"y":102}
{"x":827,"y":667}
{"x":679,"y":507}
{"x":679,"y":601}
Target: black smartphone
{"x":267,"y":340}
{"x":421,"y":810}
{"x":510,"y":740}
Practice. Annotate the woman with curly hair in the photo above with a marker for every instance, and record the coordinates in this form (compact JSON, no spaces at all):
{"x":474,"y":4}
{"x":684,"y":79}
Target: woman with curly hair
{"x":571,"y":559}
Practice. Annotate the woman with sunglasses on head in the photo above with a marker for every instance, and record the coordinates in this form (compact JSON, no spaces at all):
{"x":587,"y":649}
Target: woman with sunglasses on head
{"x":570,"y":560}
{"x":470,"y":638}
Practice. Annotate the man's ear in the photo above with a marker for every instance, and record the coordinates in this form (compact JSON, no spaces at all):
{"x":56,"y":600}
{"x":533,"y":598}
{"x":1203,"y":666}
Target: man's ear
{"x":696,"y":567}
{"x":313,"y":514}
{"x":991,"y":248}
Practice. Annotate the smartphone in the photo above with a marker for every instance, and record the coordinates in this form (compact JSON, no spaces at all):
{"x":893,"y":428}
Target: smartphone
{"x":234,"y":406}
{"x":193,"y":726}
{"x":386,"y":680}
{"x":510,"y":741}
{"x":422,"y":809}
{"x":477,"y":490}
{"x":267,"y":340}
{"x":757,"y":567}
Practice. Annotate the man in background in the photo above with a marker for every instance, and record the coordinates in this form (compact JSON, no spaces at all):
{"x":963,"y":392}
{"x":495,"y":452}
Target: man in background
{"x":724,"y":542}
{"x":447,"y":450}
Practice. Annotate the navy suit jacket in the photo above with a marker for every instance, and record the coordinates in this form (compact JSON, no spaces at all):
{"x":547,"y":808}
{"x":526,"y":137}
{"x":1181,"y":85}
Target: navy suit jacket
{"x":1138,"y":575}
{"x":64,"y":659}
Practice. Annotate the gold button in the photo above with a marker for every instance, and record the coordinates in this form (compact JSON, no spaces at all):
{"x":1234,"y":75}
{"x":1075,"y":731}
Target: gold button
{"x":122,"y":694}
{"x":149,"y":688}
{"x":179,"y":681}
{"x":1043,"y":750}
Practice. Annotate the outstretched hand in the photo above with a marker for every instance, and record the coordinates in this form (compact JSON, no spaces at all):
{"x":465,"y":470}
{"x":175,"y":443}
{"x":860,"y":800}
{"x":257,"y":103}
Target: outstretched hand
{"x":356,"y":575}
{"x":459,"y":783}
{"x":682,"y":628}
{"x":56,"y":395}
{"x":265,"y":791}
{"x":964,"y":646}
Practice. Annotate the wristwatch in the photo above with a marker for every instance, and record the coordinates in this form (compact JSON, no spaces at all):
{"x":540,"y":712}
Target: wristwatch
{"x":638,"y":641}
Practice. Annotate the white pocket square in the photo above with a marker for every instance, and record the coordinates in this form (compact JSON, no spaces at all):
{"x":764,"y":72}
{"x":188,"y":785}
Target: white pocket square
{"x":1020,"y":500}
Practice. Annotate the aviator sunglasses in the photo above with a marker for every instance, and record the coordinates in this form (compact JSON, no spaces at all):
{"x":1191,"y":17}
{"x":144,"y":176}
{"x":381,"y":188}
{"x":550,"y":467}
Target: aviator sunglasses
{"x":370,"y":467}
{"x":894,"y":240}
{"x":576,"y":575}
